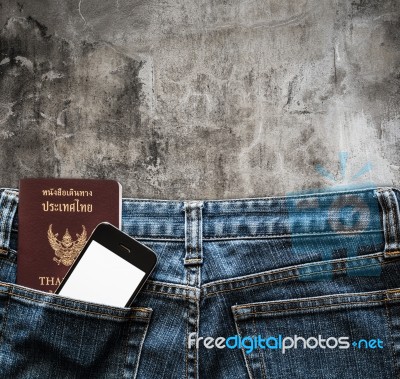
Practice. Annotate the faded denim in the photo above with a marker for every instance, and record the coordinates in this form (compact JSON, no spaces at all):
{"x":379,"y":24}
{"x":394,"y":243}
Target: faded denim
{"x":309,"y":264}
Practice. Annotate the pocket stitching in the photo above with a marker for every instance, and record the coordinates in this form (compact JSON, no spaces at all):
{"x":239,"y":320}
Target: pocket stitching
{"x":133,"y":316}
{"x":313,"y":307}
{"x":12,"y":286}
{"x":389,"y":322}
{"x":344,"y":295}
{"x":126,"y":349}
{"x":259,"y":351}
{"x":144,"y":334}
{"x":246,"y":361}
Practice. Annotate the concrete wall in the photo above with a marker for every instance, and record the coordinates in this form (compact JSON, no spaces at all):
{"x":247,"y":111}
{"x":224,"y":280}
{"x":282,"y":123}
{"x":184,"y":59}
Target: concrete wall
{"x":201,"y":99}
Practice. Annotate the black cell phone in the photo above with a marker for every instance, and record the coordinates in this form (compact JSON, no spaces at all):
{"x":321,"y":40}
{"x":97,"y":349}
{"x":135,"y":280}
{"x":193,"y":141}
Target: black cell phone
{"x":111,"y":268}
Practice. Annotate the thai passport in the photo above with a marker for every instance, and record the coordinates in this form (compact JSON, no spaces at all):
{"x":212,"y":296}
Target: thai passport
{"x":55,"y":219}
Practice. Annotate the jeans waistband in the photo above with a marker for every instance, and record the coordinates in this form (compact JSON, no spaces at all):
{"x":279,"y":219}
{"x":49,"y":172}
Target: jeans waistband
{"x":353,"y":211}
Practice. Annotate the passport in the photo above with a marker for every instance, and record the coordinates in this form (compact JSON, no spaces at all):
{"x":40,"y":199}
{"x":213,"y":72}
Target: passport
{"x":55,"y":219}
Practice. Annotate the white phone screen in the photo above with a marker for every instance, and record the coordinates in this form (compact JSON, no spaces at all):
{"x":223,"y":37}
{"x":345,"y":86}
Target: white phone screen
{"x":103,"y":277}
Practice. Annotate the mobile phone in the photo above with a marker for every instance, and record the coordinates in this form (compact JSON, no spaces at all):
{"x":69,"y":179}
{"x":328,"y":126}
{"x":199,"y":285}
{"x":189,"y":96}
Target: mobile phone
{"x":111,"y":268}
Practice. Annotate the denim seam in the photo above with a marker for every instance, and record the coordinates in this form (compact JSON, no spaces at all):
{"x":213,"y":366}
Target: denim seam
{"x":193,"y":260}
{"x":286,"y":279}
{"x":171,"y":294}
{"x":246,"y":357}
{"x":144,"y":334}
{"x":132,"y":200}
{"x":10,"y":286}
{"x":259,"y":351}
{"x":233,"y":236}
{"x":243,"y":315}
{"x":389,"y":323}
{"x":292,"y":268}
{"x":197,"y":281}
{"x":249,"y":237}
{"x":393,"y":224}
{"x":386,"y":210}
{"x":187,"y":303}
{"x":316,"y":298}
{"x":78,"y":311}
{"x":125,"y":367}
{"x":156,"y":287}
{"x":9,"y":201}
{"x":187,"y":330}
{"x":5,"y":320}
{"x":390,"y":219}
{"x":290,"y":235}
{"x":192,"y":255}
{"x":141,"y":237}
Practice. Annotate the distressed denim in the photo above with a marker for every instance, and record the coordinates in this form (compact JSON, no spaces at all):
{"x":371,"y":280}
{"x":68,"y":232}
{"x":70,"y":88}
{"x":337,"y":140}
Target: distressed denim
{"x":316,"y":265}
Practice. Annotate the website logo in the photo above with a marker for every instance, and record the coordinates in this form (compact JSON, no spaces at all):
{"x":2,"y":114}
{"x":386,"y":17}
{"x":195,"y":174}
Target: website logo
{"x":282,"y":343}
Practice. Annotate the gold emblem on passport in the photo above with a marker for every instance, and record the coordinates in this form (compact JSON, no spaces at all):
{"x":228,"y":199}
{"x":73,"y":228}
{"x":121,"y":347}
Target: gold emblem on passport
{"x":66,"y":249}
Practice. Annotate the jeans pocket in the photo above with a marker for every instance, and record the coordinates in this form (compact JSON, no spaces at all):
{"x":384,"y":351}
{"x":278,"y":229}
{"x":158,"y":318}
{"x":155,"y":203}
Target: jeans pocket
{"x":335,"y":336}
{"x":44,"y":335}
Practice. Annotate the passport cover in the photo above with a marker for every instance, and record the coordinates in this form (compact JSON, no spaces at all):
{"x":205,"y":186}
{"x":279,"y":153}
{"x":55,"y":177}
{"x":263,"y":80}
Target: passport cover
{"x":55,"y":218}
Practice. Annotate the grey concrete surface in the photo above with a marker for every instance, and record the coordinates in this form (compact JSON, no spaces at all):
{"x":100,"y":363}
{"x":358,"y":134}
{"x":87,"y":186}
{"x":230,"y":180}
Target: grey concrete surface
{"x":201,"y":99}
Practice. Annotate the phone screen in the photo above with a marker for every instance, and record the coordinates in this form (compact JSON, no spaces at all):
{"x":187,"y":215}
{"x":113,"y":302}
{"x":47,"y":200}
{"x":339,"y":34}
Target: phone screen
{"x":102,"y":277}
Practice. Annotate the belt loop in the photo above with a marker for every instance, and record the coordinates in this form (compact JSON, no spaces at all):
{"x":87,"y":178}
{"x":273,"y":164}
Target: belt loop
{"x":390,"y":216}
{"x":8,"y":207}
{"x":193,"y":233}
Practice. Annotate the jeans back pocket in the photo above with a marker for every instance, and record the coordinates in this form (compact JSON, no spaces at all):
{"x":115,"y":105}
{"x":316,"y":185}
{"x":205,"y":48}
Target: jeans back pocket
{"x":45,"y":335}
{"x":335,"y":336}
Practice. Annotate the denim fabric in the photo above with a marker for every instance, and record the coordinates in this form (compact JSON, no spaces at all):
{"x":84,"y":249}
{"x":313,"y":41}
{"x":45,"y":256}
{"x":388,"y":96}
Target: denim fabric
{"x":321,"y":264}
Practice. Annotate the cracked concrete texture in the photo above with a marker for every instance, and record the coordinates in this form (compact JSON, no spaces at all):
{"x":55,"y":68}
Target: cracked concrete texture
{"x":201,"y":99}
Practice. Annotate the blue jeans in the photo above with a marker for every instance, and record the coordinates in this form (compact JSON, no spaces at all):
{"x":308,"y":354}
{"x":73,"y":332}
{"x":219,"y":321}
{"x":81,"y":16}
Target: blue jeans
{"x":303,"y":286}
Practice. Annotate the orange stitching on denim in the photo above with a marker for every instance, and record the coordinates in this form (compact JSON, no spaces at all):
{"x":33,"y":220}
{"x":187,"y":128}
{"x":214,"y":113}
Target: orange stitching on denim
{"x":78,"y":310}
{"x":397,"y":252}
{"x":154,"y":284}
{"x":393,"y":290}
{"x":290,"y":277}
{"x":194,"y":260}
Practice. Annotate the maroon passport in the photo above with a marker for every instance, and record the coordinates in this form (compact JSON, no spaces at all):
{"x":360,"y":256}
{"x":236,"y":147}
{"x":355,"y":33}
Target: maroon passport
{"x":56,"y":217}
